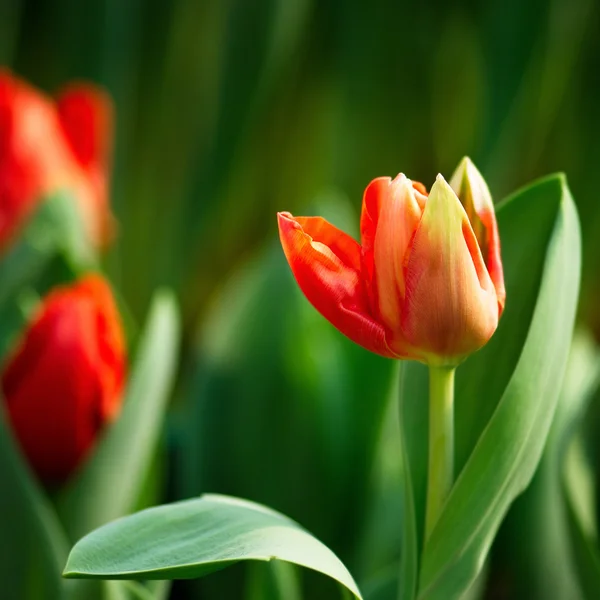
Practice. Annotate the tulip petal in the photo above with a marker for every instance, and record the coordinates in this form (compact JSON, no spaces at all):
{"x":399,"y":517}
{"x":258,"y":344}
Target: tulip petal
{"x":46,"y":147}
{"x":86,"y":119}
{"x":326,"y":264}
{"x":65,"y":379}
{"x":391,"y":213}
{"x":85,"y":115}
{"x":451,"y":305}
{"x":475,"y":196}
{"x":26,"y":117}
{"x":375,"y":192}
{"x":51,"y":412}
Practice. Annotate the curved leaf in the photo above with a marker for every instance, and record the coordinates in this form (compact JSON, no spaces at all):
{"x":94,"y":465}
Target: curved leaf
{"x":506,"y":393}
{"x":510,"y":446}
{"x":196,"y":537}
{"x":109,"y":485}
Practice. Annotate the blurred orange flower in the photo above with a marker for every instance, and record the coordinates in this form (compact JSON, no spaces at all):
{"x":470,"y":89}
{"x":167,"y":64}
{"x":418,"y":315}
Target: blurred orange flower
{"x":65,"y":380}
{"x":427,"y":281}
{"x":48,"y":146}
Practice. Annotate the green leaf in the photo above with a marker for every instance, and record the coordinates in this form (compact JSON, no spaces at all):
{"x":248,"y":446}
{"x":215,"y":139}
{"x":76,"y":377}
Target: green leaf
{"x":33,"y":546}
{"x":527,"y":223}
{"x":510,"y":446}
{"x":196,"y":537}
{"x":55,"y":227}
{"x":506,"y":393}
{"x":33,"y":543}
{"x":109,"y":485}
{"x":534,"y":545}
{"x":271,"y":375}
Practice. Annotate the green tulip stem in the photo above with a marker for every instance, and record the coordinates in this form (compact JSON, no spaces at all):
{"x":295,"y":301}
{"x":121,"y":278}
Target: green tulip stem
{"x":441,"y":443}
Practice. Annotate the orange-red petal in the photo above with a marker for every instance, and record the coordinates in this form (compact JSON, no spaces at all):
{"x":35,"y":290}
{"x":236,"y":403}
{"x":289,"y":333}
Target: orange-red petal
{"x":451,"y":305}
{"x":26,"y":121}
{"x":390,"y":216}
{"x":326,"y":264}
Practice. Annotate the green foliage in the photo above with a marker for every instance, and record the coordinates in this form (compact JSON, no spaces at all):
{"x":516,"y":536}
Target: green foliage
{"x":35,"y":539}
{"x":110,"y":484}
{"x":522,"y":401}
{"x":555,"y":517}
{"x":32,"y":542}
{"x":522,"y":392}
{"x":55,"y":228}
{"x":195,"y":537}
{"x":281,"y":397}
{"x":227,"y":112}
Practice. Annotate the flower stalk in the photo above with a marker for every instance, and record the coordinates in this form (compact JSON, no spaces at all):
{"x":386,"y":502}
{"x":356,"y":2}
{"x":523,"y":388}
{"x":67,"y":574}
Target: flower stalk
{"x":441,"y":442}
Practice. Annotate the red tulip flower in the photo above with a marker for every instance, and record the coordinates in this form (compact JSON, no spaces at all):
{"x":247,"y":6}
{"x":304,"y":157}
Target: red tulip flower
{"x":64,"y":382}
{"x":48,"y":146}
{"x":426,"y":281}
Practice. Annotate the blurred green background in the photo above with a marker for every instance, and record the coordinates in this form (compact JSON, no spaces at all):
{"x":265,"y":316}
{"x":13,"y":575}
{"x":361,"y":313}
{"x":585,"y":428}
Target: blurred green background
{"x":229,"y":110}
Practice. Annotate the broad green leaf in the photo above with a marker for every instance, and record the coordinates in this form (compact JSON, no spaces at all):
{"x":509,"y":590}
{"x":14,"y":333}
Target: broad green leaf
{"x":33,"y":545}
{"x":196,"y":537}
{"x":506,"y":393}
{"x":526,"y":222}
{"x":109,"y":485}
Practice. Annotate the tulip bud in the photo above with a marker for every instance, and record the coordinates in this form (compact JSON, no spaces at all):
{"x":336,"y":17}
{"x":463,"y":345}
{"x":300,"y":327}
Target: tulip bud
{"x":64,"y":381}
{"x":47,"y":147}
{"x":425,"y":284}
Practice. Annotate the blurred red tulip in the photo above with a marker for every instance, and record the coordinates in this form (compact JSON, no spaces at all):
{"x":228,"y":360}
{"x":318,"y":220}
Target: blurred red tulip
{"x":427,"y":282}
{"x":64,"y":382}
{"x":48,"y":146}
